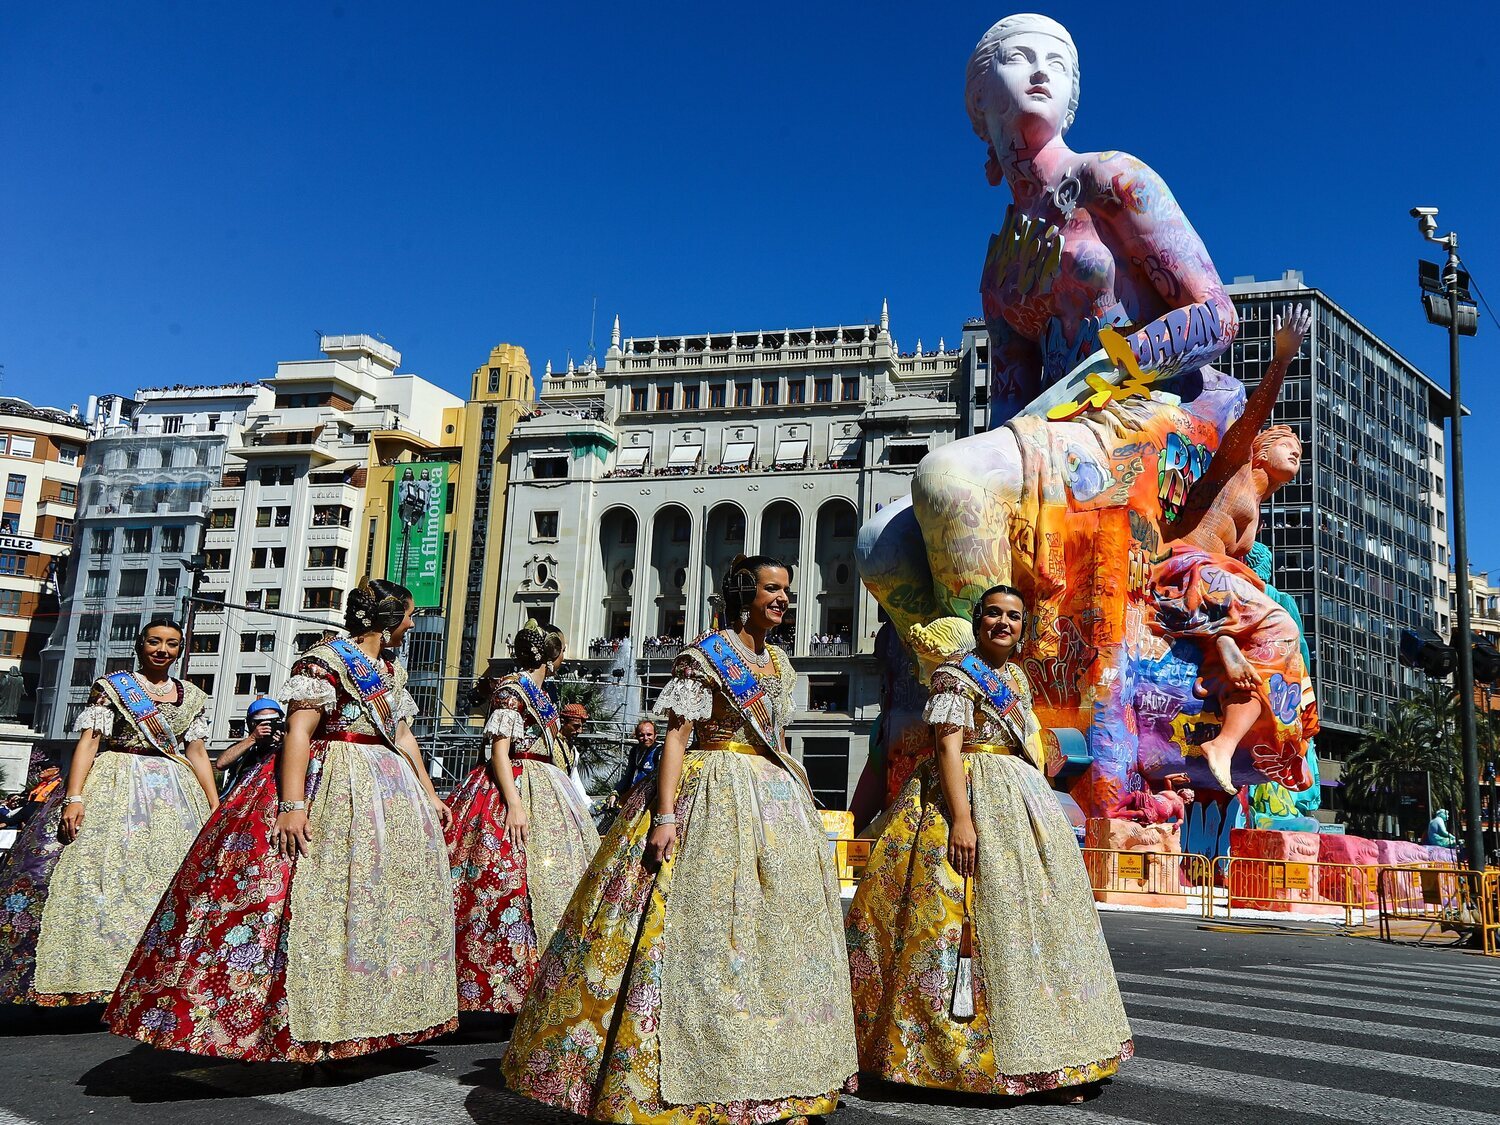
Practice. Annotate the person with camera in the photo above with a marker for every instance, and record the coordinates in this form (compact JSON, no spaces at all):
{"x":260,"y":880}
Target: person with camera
{"x":265,"y":720}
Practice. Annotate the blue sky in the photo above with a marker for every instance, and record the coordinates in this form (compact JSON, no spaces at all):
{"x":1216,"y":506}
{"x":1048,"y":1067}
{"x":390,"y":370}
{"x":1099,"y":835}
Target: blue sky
{"x":189,"y":191}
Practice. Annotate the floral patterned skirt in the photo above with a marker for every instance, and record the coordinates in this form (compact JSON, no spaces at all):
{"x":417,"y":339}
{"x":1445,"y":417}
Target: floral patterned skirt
{"x":76,"y":911}
{"x":1047,"y":1010}
{"x":24,"y":875}
{"x":496,"y":939}
{"x":609,"y":1029}
{"x":345,"y":951}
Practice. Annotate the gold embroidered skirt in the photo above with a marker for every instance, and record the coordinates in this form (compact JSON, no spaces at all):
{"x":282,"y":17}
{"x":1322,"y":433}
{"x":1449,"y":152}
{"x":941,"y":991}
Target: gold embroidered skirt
{"x":370,"y":941}
{"x":1047,"y":1008}
{"x":715,"y":990}
{"x":560,"y":843}
{"x":141,"y":814}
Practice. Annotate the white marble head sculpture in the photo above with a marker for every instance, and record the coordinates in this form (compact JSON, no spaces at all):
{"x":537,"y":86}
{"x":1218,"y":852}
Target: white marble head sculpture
{"x":983,"y":79}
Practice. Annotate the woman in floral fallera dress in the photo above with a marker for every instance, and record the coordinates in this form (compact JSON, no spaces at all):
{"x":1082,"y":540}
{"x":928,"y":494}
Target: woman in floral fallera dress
{"x":313,"y":918}
{"x":81,"y":882}
{"x":975,"y":949}
{"x":699,"y":974}
{"x":521,"y":836}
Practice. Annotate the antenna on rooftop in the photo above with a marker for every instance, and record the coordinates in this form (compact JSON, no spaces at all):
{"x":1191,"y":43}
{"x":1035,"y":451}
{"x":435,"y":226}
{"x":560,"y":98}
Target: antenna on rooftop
{"x":593,"y":320}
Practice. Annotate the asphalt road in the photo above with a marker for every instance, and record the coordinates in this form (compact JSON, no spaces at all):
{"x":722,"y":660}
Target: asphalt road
{"x":1231,"y":1025}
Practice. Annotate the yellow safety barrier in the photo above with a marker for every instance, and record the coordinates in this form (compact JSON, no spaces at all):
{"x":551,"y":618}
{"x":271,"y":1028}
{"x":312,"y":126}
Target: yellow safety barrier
{"x":1451,"y":899}
{"x":1147,"y":878}
{"x":1295,"y":887}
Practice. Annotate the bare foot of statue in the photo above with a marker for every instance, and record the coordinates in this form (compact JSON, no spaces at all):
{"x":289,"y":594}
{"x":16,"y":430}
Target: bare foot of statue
{"x":1218,"y":753}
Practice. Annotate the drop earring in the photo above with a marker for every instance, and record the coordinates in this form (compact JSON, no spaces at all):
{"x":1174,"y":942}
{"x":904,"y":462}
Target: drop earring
{"x":385,"y":638}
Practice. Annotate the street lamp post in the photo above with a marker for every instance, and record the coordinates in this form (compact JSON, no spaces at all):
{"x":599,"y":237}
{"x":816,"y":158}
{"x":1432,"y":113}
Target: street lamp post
{"x":1450,"y":307}
{"x":195,"y":564}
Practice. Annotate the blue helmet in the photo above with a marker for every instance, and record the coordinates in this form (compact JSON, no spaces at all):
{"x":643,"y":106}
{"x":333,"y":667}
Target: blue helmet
{"x":264,"y":707}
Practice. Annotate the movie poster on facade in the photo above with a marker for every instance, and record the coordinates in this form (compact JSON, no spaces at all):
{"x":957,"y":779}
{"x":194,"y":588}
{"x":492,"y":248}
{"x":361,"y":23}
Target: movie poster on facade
{"x":419,"y":496}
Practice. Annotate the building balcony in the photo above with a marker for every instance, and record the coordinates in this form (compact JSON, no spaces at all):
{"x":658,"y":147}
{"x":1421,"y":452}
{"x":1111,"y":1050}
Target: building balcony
{"x":830,"y":648}
{"x":662,"y":648}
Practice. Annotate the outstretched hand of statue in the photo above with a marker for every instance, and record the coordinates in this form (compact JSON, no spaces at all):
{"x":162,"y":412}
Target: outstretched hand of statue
{"x":1291,"y":329}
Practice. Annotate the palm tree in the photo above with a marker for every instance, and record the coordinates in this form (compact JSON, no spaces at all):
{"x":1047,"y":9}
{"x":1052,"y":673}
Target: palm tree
{"x":1372,"y":768}
{"x":1420,"y":735}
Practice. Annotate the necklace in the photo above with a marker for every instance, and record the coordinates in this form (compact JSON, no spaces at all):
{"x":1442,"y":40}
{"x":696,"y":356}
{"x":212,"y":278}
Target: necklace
{"x":166,"y":690}
{"x":760,"y":660}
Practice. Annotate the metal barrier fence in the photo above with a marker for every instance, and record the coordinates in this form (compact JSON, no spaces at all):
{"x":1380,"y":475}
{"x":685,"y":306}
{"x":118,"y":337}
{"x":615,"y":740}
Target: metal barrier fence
{"x":1144,"y":876}
{"x":1294,"y":887}
{"x":1453,"y":899}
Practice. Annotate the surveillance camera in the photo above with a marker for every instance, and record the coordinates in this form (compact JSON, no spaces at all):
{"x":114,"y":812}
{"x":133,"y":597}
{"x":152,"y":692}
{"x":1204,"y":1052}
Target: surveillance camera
{"x":1424,"y":212}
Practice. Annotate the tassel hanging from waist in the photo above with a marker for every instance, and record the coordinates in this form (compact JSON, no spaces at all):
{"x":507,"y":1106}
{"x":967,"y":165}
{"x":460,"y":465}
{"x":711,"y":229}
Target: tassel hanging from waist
{"x":962,"y":1006}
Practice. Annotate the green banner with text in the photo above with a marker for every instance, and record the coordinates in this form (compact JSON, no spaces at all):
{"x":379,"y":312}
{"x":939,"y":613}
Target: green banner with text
{"x":419,"y":497}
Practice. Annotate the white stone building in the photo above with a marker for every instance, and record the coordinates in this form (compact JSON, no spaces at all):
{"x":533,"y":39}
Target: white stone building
{"x":152,"y":463}
{"x":41,"y":454}
{"x":284,"y":528}
{"x":638,"y":482}
{"x":260,"y":484}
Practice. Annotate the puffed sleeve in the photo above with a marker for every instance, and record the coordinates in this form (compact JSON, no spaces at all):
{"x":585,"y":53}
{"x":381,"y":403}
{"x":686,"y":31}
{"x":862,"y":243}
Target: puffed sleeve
{"x":949,"y":705}
{"x":310,"y":686}
{"x":405,"y":707}
{"x":687,"y":697}
{"x":99,"y":715}
{"x":198,"y":730}
{"x":504,"y":722}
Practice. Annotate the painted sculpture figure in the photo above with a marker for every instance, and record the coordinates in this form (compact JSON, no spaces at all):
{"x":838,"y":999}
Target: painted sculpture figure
{"x":1104,"y":314}
{"x":1252,"y":649}
{"x":1437,"y":831}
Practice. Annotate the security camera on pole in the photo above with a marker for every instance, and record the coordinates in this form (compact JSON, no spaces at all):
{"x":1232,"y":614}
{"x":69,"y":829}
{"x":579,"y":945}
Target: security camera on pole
{"x":1449,"y":304}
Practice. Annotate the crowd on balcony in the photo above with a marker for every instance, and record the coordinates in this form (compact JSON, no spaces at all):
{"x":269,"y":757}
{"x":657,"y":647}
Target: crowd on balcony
{"x":586,"y":413}
{"x":663,"y":645}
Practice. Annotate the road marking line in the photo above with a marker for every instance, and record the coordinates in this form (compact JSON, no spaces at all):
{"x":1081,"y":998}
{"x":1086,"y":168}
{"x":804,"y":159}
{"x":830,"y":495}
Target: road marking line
{"x":1392,"y":979}
{"x":1487,"y":973}
{"x":1342,"y":990}
{"x":1387,"y":1062}
{"x":1400,"y":1033}
{"x":1225,"y":982}
{"x":1266,"y":1093}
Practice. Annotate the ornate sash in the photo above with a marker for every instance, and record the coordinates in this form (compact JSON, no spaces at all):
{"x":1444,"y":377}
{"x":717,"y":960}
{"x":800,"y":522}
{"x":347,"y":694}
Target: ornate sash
{"x":1002,"y":698}
{"x":544,"y":714}
{"x":143,"y":713}
{"x":374,"y":692}
{"x":749,"y":698}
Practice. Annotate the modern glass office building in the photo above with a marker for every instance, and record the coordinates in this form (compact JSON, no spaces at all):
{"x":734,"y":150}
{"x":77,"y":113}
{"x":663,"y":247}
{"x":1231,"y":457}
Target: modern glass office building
{"x":1360,"y":538}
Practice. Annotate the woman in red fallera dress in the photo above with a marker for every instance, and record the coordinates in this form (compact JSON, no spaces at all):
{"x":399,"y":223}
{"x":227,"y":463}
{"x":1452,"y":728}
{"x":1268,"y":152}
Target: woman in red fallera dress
{"x":313,"y":917}
{"x":521,"y":836}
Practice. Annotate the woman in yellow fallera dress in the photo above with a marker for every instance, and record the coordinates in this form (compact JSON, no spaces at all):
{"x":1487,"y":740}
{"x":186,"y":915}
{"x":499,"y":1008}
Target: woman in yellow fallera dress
{"x":699,"y":974}
{"x":975,"y":949}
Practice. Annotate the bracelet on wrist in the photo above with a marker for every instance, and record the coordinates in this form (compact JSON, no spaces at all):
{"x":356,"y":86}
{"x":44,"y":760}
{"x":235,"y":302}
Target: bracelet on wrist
{"x":72,"y":801}
{"x":663,"y":818}
{"x":292,"y":806}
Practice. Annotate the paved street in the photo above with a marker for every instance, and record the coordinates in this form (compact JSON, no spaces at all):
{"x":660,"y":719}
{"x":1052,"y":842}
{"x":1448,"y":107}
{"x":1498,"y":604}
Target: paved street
{"x":1238,"y":1026}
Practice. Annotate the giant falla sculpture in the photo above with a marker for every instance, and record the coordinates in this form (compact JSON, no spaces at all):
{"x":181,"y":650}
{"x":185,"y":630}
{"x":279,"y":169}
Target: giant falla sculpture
{"x":1120,"y":481}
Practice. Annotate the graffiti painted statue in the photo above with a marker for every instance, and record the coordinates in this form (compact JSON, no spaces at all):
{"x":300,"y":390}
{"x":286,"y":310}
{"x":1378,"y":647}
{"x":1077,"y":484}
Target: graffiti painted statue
{"x":1205,"y":590}
{"x":1104,"y":313}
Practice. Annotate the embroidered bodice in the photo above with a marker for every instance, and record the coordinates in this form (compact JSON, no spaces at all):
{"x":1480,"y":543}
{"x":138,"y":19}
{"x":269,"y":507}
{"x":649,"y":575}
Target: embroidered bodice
{"x":319,"y":680}
{"x":512,"y":718}
{"x":956,"y":703}
{"x":187,"y":715}
{"x":695,"y":694}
